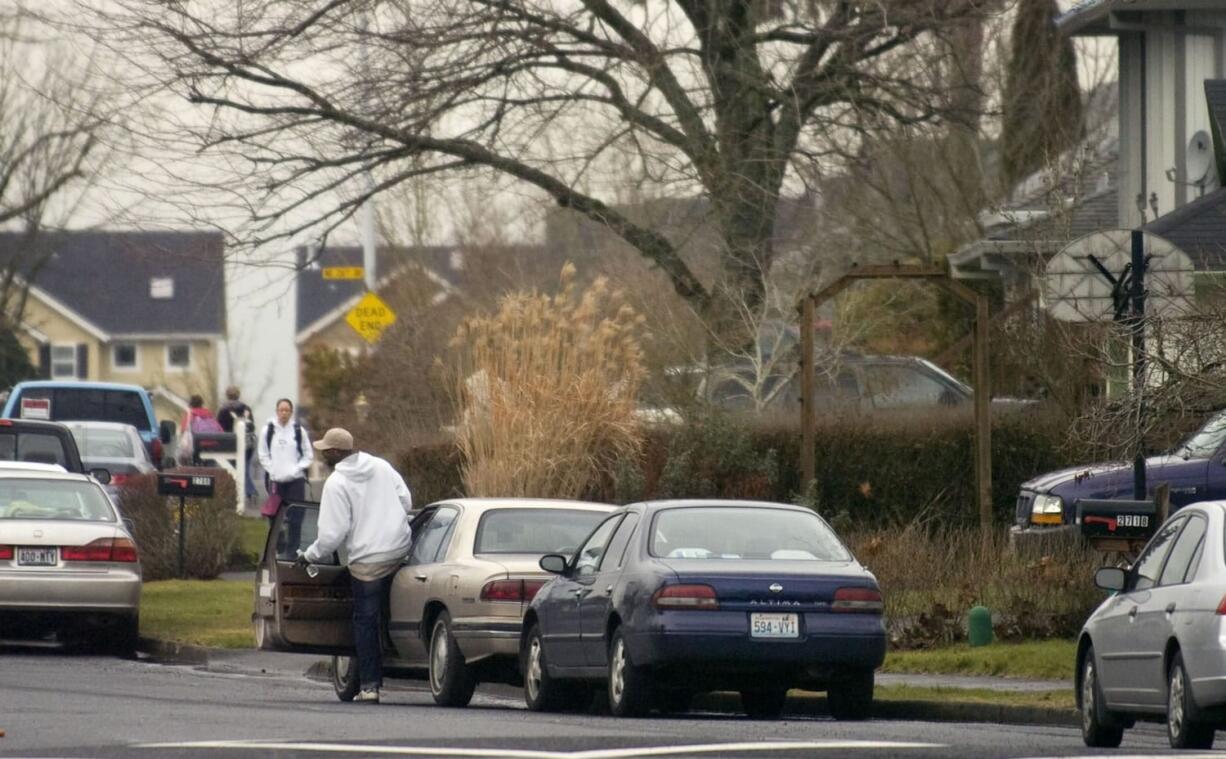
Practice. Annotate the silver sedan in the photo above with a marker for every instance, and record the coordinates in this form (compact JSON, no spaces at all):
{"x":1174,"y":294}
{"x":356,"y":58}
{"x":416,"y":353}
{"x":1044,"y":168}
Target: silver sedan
{"x":1156,"y":648}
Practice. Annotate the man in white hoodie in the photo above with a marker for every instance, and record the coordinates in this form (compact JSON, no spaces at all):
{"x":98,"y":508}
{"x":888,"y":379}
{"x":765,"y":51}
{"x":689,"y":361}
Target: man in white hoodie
{"x":365,"y":506}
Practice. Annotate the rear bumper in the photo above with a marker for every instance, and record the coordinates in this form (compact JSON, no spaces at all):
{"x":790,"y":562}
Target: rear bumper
{"x":720,"y":642}
{"x":103,"y":590}
{"x":483,"y":638}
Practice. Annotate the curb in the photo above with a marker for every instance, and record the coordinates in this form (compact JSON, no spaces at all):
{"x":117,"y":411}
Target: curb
{"x":170,"y":652}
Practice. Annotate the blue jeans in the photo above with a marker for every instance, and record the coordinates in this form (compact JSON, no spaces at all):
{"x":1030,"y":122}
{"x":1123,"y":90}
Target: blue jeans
{"x":369,"y":598}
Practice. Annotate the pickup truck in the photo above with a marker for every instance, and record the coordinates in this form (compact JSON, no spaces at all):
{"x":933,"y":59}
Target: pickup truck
{"x":1195,"y":471}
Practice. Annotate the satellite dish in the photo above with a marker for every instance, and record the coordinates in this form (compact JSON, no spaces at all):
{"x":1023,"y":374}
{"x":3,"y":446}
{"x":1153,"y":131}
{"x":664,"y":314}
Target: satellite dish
{"x":1074,"y":290}
{"x":1200,"y":158}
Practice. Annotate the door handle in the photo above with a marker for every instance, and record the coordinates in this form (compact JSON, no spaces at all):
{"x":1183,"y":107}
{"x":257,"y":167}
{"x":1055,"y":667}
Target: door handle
{"x":1170,"y":608}
{"x":608,"y":591}
{"x":421,"y":578}
{"x":582,"y":592}
{"x":1132,"y":613}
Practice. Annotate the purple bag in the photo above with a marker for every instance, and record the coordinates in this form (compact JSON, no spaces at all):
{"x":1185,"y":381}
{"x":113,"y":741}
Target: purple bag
{"x":272,"y":504}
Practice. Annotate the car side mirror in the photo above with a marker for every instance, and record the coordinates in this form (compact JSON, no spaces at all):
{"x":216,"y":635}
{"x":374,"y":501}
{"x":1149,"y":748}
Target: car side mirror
{"x":166,"y":430}
{"x":554,"y":563}
{"x":101,"y":475}
{"x":1110,"y":578}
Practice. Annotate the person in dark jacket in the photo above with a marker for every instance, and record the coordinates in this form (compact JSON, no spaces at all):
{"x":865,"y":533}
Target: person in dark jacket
{"x":234,"y":409}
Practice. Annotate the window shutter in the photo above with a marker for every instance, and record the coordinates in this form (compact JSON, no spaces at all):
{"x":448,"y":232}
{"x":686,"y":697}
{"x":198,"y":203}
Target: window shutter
{"x":44,"y":361}
{"x":82,"y":361}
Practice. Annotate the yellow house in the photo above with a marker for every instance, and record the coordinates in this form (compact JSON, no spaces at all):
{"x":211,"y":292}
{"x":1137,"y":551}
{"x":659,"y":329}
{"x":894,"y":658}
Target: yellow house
{"x":141,"y":308}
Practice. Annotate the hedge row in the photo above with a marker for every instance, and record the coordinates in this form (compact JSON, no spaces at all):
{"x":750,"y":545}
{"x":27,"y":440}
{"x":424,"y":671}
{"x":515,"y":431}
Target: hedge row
{"x":869,"y":474}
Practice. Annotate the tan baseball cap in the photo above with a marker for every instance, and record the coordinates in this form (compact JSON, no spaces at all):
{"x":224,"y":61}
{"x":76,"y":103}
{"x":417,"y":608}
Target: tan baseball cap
{"x":335,"y":439}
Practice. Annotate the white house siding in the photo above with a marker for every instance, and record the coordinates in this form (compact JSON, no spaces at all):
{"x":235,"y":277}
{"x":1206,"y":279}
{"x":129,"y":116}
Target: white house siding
{"x":1160,"y":108}
{"x":1130,"y":173}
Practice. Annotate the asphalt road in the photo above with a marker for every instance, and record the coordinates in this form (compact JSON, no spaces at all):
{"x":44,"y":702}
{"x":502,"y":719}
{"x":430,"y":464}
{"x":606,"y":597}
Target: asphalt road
{"x":57,"y":704}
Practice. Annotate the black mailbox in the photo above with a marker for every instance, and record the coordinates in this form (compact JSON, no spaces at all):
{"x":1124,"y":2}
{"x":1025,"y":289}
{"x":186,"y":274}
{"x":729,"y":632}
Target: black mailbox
{"x":1124,"y":520}
{"x":188,"y":485}
{"x":206,"y":444}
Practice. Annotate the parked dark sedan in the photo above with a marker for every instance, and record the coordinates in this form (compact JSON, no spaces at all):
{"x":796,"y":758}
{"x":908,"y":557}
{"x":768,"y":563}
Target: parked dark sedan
{"x":672,"y":598}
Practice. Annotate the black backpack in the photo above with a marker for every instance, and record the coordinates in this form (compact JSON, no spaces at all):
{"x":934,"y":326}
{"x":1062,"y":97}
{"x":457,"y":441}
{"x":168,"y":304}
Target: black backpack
{"x":268,"y":433}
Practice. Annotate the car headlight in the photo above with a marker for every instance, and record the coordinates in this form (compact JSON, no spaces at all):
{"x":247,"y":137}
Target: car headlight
{"x":1047,"y":509}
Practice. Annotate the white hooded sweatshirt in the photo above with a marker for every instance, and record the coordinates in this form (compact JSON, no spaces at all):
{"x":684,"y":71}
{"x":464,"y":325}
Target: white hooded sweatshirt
{"x":284,"y":460}
{"x":365,"y":506}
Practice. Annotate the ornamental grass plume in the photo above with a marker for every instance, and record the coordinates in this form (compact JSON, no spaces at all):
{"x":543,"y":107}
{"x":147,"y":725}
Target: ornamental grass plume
{"x":547,"y":391}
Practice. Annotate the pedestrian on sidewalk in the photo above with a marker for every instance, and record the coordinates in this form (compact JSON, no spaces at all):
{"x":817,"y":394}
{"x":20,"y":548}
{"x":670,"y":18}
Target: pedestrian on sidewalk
{"x":365,"y":506}
{"x":234,"y":409}
{"x":285,"y":454}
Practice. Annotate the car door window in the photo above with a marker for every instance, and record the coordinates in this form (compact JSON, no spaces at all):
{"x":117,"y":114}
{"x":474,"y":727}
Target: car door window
{"x":429,"y":541}
{"x":614,"y":555}
{"x":588,"y":558}
{"x":297,"y":531}
{"x":1182,"y":552}
{"x":1147,"y":570}
{"x":904,"y":387}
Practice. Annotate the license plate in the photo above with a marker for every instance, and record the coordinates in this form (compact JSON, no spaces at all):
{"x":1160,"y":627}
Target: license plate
{"x":774,"y":626}
{"x":36,"y":557}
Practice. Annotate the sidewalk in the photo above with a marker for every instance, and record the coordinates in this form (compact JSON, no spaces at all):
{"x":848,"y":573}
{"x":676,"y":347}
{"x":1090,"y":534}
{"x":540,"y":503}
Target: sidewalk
{"x":276,"y":664}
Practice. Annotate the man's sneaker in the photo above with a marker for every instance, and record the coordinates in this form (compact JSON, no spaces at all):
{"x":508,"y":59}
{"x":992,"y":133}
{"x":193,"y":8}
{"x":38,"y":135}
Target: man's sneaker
{"x":367,"y":696}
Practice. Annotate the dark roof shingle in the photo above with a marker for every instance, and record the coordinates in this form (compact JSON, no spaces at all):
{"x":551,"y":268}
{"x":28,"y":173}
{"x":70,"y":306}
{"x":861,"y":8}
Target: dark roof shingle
{"x":1198,"y":229}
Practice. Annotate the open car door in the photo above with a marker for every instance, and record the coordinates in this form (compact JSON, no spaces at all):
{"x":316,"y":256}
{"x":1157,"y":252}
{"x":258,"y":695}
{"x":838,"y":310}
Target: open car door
{"x":295,"y":611}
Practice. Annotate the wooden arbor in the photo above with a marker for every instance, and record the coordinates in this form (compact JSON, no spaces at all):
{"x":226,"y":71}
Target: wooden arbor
{"x":983,"y":421}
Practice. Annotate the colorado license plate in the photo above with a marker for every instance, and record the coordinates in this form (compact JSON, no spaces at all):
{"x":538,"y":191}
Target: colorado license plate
{"x":36,"y":557}
{"x":774,"y":626}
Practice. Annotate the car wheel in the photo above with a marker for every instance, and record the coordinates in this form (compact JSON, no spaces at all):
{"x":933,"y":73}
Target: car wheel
{"x":263,"y":634}
{"x":542,"y":692}
{"x":764,"y":703}
{"x":850,"y":696}
{"x":345,"y":680}
{"x":629,"y":686}
{"x":1098,"y":729}
{"x":451,"y":680}
{"x":1183,"y":727}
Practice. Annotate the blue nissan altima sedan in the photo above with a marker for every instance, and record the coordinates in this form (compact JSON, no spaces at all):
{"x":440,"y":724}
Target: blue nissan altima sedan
{"x":668,"y":599}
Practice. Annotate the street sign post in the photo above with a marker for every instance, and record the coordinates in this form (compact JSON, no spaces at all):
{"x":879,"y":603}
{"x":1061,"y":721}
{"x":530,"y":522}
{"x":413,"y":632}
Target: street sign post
{"x":343,"y":272}
{"x":370,"y":317}
{"x":185,"y":485}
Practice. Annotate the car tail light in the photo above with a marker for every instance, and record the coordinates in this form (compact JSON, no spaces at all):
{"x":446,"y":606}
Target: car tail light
{"x":1221,"y":606}
{"x":858,"y":600}
{"x":686,"y":597}
{"x":102,"y":549}
{"x":519,"y":591}
{"x":156,"y":450}
{"x":119,"y":479}
{"x":6,"y":552}
{"x":6,"y":422}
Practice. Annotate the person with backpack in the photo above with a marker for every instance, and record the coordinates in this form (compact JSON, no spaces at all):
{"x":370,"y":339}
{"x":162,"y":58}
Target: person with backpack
{"x":234,"y":409}
{"x":197,"y":419}
{"x":285,"y":454}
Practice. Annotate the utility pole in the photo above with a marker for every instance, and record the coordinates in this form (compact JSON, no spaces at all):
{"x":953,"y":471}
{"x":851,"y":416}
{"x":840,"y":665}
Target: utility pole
{"x":1137,"y":328}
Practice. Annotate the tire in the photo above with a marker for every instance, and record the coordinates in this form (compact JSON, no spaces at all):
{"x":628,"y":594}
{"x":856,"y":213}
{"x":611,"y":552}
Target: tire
{"x":1098,"y":728}
{"x":542,"y":692}
{"x":345,"y":680}
{"x":764,"y":703}
{"x":264,"y":638}
{"x":850,"y":696}
{"x":451,"y":680}
{"x":1183,"y":726}
{"x":630,"y":693}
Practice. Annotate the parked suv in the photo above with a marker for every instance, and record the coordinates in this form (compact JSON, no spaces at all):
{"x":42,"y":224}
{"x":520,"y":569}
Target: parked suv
{"x":91,"y":402}
{"x":39,"y":443}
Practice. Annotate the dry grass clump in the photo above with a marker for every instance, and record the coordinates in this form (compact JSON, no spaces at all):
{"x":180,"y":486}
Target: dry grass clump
{"x":930,"y":578}
{"x":548,"y":391}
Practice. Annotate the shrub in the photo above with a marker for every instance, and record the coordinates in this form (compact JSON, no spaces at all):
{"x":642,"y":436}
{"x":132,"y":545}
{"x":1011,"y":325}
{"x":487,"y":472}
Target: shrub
{"x":432,"y":472}
{"x":212,"y":527}
{"x":548,"y":389}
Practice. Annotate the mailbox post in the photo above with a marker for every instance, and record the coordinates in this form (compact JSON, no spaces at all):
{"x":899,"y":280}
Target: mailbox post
{"x":184,"y":485}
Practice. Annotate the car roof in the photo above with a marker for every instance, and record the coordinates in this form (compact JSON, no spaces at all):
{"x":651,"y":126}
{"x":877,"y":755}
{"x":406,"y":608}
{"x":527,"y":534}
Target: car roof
{"x":29,"y":470}
{"x":535,"y":503}
{"x":719,"y":503}
{"x":78,"y":384}
{"x":99,"y":425}
{"x":37,"y":424}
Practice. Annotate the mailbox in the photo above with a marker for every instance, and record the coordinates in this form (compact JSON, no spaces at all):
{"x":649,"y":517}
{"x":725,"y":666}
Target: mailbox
{"x":207,"y":444}
{"x":186,"y":485}
{"x":1118,"y":519}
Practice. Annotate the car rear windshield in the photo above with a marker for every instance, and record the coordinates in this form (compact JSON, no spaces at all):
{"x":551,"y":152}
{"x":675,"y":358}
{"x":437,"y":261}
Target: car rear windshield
{"x":536,"y":531}
{"x":729,"y":532}
{"x":103,"y":444}
{"x":35,"y":447}
{"x":92,"y":405}
{"x":53,"y":499}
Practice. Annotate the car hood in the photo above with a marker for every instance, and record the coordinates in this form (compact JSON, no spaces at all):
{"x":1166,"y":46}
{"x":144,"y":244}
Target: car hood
{"x":1097,"y":476}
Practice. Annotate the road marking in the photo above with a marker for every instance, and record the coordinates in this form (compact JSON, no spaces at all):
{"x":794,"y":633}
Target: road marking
{"x":621,"y":753}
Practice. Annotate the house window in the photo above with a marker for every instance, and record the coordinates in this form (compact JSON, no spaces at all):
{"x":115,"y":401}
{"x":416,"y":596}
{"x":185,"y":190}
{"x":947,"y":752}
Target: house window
{"x":63,"y":362}
{"x":123,"y":356}
{"x":162,"y":288}
{"x":179,"y":356}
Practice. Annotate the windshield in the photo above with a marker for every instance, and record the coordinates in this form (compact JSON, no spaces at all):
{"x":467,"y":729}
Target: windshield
{"x":93,"y":405}
{"x":1204,"y":442}
{"x":538,"y":531}
{"x":35,"y":447}
{"x":53,"y":499}
{"x":723,"y":532}
{"x":103,"y":444}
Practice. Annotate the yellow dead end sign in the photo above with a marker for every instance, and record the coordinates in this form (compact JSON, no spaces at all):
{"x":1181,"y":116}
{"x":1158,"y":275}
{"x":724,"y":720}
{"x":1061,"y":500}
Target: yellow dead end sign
{"x":370,"y":317}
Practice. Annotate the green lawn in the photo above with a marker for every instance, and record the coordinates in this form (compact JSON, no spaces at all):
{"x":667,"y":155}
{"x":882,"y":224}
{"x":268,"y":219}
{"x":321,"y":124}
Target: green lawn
{"x":1058,"y":699}
{"x":251,"y":536}
{"x":1042,"y":659}
{"x":213,"y":613}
